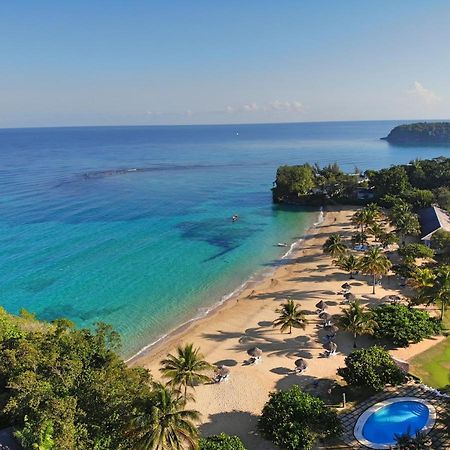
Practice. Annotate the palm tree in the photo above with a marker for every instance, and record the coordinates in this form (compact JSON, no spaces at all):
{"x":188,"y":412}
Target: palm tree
{"x":359,"y":238}
{"x":422,"y":278}
{"x":357,"y":320}
{"x":185,"y":369}
{"x":289,"y":316}
{"x":366,"y":217}
{"x":441,"y":288}
{"x":374,"y":263}
{"x":349,"y":263}
{"x":334,"y":245}
{"x":161,"y":422}
{"x":359,"y":220}
{"x":405,"y":222}
{"x":376,"y":230}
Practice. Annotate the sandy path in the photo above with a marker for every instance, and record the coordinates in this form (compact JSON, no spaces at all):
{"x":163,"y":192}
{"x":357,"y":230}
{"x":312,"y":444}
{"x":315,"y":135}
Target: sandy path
{"x":225,"y":335}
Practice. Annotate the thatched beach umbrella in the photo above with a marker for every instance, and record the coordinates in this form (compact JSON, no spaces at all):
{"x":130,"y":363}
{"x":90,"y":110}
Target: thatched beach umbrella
{"x":301,"y":364}
{"x":321,"y":305}
{"x":222,"y":371}
{"x":255,"y":352}
{"x":346,"y":286}
{"x":325,"y":316}
{"x":350,"y":297}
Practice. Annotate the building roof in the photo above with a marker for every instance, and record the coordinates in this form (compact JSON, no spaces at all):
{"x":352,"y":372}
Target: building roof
{"x":433,"y":219}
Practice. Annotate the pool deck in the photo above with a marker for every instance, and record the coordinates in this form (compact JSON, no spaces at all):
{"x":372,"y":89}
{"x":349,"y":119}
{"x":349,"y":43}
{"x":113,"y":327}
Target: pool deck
{"x":438,"y":434}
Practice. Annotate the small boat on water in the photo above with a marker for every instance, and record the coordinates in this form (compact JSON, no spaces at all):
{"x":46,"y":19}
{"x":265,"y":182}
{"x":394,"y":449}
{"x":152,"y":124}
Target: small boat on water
{"x":282,"y":244}
{"x":234,"y":217}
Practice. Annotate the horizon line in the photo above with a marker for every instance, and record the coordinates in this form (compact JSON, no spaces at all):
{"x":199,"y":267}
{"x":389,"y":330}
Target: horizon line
{"x":219,"y":124}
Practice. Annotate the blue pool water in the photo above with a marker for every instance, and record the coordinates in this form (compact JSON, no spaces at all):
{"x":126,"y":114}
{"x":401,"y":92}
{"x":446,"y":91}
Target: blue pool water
{"x":85,"y":236}
{"x":395,"y":419}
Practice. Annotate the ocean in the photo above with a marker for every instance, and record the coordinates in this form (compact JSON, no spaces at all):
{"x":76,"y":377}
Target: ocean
{"x":132,"y":225}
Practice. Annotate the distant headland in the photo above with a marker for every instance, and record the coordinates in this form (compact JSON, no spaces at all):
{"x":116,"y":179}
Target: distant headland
{"x":420,"y":133}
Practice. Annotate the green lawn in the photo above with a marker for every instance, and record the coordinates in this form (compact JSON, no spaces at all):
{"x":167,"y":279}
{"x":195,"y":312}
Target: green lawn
{"x":433,"y":366}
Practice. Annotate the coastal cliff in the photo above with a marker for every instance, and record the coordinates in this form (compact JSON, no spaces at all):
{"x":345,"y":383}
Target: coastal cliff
{"x":420,"y":133}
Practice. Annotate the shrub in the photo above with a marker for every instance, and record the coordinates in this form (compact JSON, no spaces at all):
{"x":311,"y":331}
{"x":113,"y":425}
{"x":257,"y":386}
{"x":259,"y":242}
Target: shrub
{"x":372,"y":368}
{"x":402,"y":325}
{"x":413,"y":251}
{"x":221,"y":441}
{"x":294,"y":420}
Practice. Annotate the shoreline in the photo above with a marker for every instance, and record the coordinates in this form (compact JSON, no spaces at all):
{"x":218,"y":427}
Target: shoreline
{"x":225,"y":335}
{"x":251,"y":283}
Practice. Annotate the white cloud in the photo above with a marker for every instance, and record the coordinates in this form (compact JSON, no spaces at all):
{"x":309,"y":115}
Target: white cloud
{"x":275,"y":106}
{"x":424,"y":94}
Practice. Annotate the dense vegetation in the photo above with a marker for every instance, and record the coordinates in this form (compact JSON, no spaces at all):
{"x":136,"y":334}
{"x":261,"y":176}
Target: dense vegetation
{"x":221,"y":442}
{"x":371,"y":368}
{"x":420,"y":133}
{"x":68,"y":383}
{"x":294,"y":419}
{"x":402,"y":326}
{"x":312,"y":184}
{"x":416,"y":185}
{"x":67,"y":388}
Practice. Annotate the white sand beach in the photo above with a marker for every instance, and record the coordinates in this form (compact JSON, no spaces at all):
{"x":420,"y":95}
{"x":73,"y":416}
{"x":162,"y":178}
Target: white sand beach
{"x":228,"y":332}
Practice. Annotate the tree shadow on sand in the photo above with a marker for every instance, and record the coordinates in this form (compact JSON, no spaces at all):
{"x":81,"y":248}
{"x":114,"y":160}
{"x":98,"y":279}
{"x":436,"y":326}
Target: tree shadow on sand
{"x":240,"y":423}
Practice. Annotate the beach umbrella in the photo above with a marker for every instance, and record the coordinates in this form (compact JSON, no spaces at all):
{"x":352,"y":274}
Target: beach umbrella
{"x":350,"y":297}
{"x":321,"y":305}
{"x":222,"y":371}
{"x":255,"y":352}
{"x":346,"y":286}
{"x":301,"y":364}
{"x":325,"y":316}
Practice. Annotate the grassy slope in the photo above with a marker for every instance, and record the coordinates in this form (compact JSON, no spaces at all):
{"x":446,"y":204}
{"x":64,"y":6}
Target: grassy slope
{"x":433,"y":366}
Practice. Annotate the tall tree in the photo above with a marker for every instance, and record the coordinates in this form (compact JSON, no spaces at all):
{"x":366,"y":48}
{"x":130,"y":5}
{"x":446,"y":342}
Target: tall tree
{"x":357,"y":320}
{"x":185,"y":369}
{"x":441,"y":288}
{"x":334,"y":246}
{"x":349,"y":263}
{"x":162,"y":422}
{"x":375,"y":263}
{"x":289,"y":316}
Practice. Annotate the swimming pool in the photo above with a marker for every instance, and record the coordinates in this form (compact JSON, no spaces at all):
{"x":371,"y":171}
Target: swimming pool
{"x":377,"y":426}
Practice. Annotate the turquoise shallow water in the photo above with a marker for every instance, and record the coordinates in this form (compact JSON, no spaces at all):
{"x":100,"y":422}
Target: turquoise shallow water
{"x":131,"y":225}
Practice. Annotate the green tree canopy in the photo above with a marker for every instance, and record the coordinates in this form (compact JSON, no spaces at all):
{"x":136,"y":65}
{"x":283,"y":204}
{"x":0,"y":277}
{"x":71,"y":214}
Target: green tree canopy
{"x":413,"y":251}
{"x":162,"y":422}
{"x":186,"y":369}
{"x":293,"y":181}
{"x":334,"y":246}
{"x":402,"y":326}
{"x":294,"y":420}
{"x":371,"y":368}
{"x":357,"y":320}
{"x":374,"y":263}
{"x":289,"y":316}
{"x":221,"y":441}
{"x":68,"y":386}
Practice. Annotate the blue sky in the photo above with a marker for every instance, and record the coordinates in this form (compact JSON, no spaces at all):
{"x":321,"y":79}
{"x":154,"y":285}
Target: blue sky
{"x":90,"y":62}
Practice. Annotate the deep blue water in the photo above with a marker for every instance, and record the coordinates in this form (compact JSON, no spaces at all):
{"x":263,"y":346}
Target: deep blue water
{"x":395,"y":419}
{"x":86,"y":236}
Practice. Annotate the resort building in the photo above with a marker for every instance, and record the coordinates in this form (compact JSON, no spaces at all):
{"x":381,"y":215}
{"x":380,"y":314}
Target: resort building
{"x":431,"y":220}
